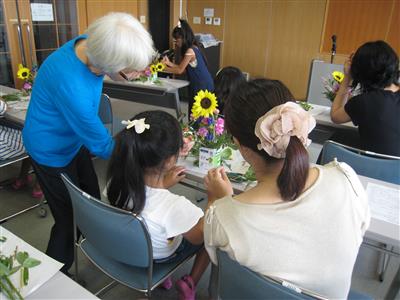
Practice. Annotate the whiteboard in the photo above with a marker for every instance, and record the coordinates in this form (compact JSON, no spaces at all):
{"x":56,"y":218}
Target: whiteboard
{"x":318,"y":70}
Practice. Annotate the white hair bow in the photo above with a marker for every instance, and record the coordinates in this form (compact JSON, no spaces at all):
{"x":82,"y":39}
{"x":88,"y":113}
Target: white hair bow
{"x":179,"y":24}
{"x":139,"y":125}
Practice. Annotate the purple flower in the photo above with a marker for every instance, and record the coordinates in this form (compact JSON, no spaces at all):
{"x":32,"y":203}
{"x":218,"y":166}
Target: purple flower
{"x":209,"y":137}
{"x":210,"y":121}
{"x":205,"y":121}
{"x":202,"y":132}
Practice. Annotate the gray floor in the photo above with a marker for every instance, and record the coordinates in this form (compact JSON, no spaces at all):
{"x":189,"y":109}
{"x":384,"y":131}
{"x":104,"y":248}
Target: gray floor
{"x":35,"y":230}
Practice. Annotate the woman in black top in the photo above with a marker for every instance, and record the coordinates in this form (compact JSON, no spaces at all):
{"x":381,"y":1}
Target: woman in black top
{"x":376,"y":111}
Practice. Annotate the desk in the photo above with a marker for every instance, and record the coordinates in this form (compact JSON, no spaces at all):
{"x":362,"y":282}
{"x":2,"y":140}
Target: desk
{"x":379,"y":230}
{"x":164,"y":95}
{"x":46,"y":281}
{"x":322,"y":116}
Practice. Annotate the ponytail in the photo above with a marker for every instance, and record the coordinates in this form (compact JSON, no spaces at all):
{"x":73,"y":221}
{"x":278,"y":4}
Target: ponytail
{"x":293,"y":176}
{"x":125,"y":174}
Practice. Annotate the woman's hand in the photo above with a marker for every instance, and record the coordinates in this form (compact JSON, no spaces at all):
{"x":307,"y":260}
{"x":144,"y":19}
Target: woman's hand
{"x":173,"y":176}
{"x":347,"y":66}
{"x":217,"y":184}
{"x":166,"y":61}
{"x":188,"y":144}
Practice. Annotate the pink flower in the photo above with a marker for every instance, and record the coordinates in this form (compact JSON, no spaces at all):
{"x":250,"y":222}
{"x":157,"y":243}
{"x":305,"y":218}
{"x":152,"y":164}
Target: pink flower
{"x":147,"y":72}
{"x":27,"y":86}
{"x":204,"y":121}
{"x":202,"y":132}
{"x":219,"y":126}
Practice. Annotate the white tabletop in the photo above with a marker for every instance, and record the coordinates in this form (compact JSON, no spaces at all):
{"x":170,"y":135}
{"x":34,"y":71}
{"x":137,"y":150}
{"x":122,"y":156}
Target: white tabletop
{"x":61,"y":287}
{"x":167,"y":84}
{"x":379,"y":230}
{"x":322,"y":115}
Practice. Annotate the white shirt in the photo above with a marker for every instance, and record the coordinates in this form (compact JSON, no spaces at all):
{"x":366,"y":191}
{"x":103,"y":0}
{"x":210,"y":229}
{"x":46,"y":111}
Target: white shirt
{"x":168,"y":216}
{"x":312,"y":241}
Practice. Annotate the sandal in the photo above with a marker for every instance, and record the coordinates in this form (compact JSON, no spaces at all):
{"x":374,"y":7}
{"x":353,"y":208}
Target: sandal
{"x":186,"y":288}
{"x":21,"y":183}
{"x":38,"y":194}
{"x":167,"y":283}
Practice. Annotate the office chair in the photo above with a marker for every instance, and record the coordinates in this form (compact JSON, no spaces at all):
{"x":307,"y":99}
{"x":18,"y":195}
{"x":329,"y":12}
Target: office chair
{"x":105,"y":112}
{"x":366,"y":163}
{"x":42,"y":212}
{"x":117,"y":242}
{"x":238,"y":282}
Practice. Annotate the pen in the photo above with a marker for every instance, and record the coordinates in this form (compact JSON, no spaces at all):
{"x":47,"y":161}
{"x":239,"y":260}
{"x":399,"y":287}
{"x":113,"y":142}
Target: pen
{"x":122,"y":74}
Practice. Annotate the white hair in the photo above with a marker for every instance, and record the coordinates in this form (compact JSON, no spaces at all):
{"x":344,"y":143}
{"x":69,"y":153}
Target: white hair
{"x":119,"y":42}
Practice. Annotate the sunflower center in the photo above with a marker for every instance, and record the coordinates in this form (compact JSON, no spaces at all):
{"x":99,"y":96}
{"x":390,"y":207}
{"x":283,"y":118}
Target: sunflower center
{"x":205,"y":103}
{"x":24,"y":74}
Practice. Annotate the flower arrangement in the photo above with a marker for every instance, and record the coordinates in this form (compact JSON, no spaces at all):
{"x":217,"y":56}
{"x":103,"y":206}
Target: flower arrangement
{"x":332,"y":84}
{"x":9,"y":265}
{"x":28,"y":76}
{"x":205,"y":132}
{"x":150,"y":74}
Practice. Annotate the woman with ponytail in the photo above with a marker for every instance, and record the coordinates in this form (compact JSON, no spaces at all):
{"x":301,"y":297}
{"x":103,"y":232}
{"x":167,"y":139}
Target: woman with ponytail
{"x":299,"y":223}
{"x":141,"y":169}
{"x":192,"y":61}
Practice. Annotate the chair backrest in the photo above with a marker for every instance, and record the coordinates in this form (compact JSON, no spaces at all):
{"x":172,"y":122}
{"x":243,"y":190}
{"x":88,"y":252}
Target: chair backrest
{"x":105,"y":111}
{"x":114,"y":232}
{"x":370,"y":164}
{"x":238,"y":282}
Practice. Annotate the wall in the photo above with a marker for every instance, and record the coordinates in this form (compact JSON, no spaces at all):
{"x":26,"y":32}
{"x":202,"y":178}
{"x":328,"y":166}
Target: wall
{"x":279,"y":38}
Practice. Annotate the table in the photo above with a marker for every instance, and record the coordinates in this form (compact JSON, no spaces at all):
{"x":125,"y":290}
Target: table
{"x":164,"y":95}
{"x":379,"y":230}
{"x":322,"y":115}
{"x":46,"y":281}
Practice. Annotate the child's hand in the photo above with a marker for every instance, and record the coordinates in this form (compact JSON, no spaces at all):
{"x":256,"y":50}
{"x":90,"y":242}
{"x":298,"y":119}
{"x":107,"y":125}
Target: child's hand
{"x":188,"y":144}
{"x":217,"y":184}
{"x":173,"y":176}
{"x":166,"y":61}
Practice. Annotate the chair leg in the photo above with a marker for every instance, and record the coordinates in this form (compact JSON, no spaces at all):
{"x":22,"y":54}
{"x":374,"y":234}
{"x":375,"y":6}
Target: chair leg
{"x":384,"y":261}
{"x":106,"y":288}
{"x":76,"y":261}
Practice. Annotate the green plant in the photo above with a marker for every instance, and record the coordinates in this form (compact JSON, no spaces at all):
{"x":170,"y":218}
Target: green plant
{"x":11,"y":264}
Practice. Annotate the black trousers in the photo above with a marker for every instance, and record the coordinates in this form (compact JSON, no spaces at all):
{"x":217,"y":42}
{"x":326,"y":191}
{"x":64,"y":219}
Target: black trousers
{"x":81,"y":171}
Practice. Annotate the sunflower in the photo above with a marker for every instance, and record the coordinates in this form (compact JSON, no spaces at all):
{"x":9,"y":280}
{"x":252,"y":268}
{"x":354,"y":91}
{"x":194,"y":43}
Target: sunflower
{"x":338,"y":76}
{"x":153,"y":69}
{"x":205,"y":103}
{"x":160,"y":67}
{"x":23,"y":73}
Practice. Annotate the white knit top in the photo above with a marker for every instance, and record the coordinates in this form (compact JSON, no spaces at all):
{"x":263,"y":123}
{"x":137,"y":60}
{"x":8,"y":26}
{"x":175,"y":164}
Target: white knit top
{"x":312,"y":241}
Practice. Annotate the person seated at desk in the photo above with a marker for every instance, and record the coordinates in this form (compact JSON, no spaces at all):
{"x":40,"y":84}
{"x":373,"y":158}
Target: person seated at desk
{"x":193,"y":61}
{"x":299,"y":223}
{"x":375,"y":68}
{"x":226,"y":80}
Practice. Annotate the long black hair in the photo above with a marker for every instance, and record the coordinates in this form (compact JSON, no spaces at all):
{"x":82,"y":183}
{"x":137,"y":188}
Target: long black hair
{"x":185,"y":32}
{"x":244,"y":107}
{"x":135,"y":154}
{"x":375,"y":65}
{"x":225,"y":82}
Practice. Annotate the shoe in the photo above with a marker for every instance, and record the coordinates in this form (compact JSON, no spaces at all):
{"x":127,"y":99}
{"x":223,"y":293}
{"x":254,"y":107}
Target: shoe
{"x":167,"y":283}
{"x":186,"y":288}
{"x":37,"y":194}
{"x":20,"y":183}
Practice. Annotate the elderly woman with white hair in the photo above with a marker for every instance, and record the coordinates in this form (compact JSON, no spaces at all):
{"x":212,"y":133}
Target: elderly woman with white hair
{"x":62,"y":125}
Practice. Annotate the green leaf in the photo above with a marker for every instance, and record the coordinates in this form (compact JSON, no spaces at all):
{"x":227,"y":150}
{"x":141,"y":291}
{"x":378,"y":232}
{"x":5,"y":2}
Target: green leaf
{"x":31,"y":262}
{"x":26,"y":275}
{"x":22,"y":256}
{"x":4,"y":270}
{"x":3,"y":239}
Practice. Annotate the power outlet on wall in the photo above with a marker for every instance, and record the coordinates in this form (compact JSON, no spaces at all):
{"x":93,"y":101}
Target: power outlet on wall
{"x":208,"y":20}
{"x":217,"y":21}
{"x":196,"y":20}
{"x":142,"y":19}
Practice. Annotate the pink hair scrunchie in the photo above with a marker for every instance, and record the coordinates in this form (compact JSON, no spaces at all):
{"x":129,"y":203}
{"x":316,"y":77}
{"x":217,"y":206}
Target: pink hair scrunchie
{"x":275,"y":128}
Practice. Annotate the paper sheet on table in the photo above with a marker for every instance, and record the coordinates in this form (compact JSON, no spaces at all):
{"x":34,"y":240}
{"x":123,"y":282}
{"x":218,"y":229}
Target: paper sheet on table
{"x":18,"y":105}
{"x":37,"y":275}
{"x":384,"y":203}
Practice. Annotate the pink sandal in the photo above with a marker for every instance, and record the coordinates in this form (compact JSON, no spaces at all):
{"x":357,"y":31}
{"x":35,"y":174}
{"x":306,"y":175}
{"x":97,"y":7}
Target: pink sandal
{"x":186,"y":288}
{"x":167,"y":283}
{"x":37,"y":194}
{"x":21,"y":183}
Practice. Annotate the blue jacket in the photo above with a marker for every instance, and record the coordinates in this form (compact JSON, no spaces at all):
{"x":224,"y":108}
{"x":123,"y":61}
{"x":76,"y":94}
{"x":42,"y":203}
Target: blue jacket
{"x":63,"y":111}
